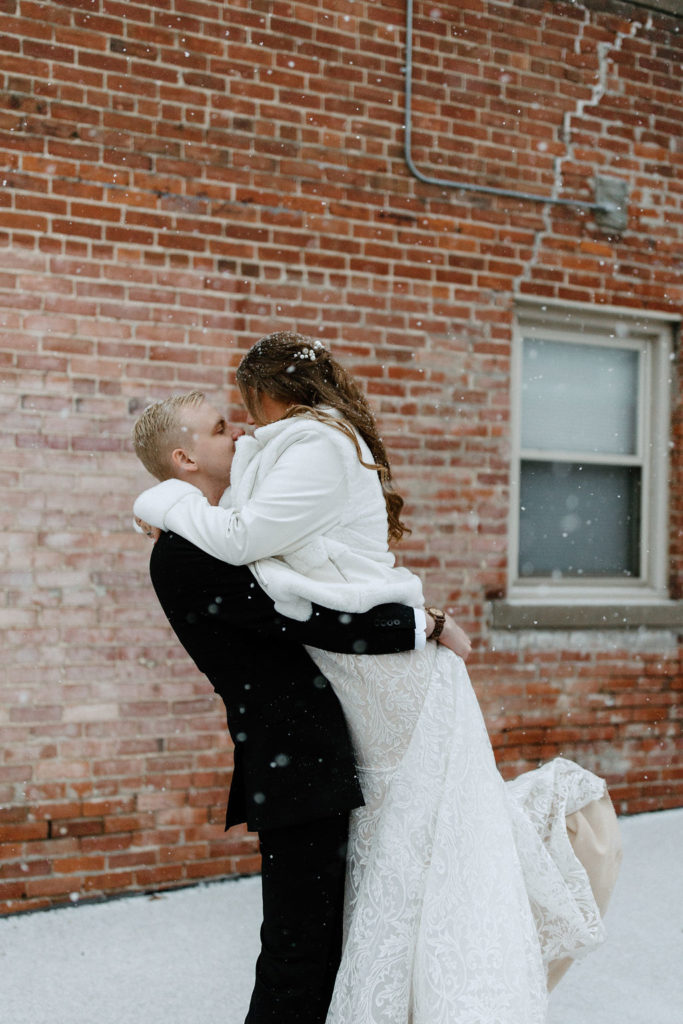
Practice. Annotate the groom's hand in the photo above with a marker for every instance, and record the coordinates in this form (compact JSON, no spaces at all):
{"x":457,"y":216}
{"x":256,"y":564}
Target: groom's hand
{"x":455,"y":638}
{"x":452,"y":636}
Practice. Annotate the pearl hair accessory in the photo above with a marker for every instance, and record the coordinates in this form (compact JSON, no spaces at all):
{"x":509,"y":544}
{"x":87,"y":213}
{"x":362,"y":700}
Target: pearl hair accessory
{"x":310,"y":353}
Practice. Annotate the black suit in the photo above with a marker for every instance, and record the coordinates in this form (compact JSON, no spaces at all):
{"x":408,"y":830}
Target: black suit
{"x":294,"y":778}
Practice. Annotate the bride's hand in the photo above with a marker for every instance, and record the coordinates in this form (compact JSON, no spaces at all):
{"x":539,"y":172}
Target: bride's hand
{"x":455,"y":638}
{"x":150,"y":531}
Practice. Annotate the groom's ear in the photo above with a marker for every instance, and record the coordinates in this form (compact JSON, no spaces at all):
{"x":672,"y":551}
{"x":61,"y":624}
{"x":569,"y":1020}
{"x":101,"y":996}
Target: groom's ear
{"x":183,"y":464}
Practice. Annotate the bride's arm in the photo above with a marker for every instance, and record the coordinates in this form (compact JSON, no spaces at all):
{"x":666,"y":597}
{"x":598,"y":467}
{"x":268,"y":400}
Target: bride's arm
{"x":299,"y":499}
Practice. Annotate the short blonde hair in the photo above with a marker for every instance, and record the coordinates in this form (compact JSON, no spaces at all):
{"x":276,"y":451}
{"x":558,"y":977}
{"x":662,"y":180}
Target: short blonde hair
{"x":159,"y":431}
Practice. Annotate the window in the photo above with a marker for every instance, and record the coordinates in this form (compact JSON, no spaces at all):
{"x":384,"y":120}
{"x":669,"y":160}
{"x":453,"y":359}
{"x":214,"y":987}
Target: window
{"x":590,"y":434}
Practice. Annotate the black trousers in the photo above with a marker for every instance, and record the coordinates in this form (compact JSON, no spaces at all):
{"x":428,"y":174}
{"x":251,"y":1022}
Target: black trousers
{"x":302,"y":879}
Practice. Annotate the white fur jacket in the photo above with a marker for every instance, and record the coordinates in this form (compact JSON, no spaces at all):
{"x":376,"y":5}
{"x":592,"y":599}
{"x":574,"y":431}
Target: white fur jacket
{"x":303,"y":512}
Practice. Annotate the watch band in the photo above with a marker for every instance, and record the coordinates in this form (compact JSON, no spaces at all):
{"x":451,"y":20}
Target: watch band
{"x":439,"y":622}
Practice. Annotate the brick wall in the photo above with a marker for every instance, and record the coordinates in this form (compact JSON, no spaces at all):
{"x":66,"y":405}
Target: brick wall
{"x":179,"y":177}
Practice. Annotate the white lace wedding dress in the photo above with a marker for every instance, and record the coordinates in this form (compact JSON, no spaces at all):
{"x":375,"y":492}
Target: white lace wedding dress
{"x":461,"y":889}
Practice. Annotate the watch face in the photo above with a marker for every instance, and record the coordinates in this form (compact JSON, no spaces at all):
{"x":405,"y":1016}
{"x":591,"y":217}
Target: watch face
{"x":439,"y":622}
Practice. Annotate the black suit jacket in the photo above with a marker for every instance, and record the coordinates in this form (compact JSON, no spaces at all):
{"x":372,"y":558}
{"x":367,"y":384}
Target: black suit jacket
{"x":293,"y":756}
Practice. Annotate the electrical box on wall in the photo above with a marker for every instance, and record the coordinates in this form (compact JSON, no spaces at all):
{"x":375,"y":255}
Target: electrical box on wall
{"x":611,"y":197}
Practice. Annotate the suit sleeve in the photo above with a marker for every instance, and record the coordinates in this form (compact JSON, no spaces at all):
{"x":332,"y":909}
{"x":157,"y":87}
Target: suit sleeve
{"x":230,"y":594}
{"x":385,"y":629}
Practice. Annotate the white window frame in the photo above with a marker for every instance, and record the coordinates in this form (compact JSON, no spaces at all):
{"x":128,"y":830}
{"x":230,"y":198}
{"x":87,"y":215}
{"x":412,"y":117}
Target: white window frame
{"x":652,"y":334}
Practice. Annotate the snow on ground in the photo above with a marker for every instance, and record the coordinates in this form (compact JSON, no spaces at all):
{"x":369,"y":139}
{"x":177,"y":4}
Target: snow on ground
{"x":186,"y":957}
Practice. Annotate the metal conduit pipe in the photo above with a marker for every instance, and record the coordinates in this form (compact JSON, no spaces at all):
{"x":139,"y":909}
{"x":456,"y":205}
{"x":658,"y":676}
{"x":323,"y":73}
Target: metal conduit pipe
{"x":609,"y":208}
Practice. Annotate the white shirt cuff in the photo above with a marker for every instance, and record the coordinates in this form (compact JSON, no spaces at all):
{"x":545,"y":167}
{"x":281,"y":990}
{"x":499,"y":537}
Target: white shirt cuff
{"x":420,"y":629}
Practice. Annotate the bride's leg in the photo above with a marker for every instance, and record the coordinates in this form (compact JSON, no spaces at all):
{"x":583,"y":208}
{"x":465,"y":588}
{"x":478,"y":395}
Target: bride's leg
{"x":594,"y":835}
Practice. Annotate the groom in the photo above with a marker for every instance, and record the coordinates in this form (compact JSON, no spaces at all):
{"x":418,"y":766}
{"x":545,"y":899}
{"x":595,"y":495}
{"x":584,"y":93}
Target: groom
{"x":294,"y":779}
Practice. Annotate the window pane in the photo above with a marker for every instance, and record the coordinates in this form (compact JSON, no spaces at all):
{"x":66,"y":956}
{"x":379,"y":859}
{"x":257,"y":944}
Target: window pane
{"x":579,"y":397}
{"x":578,"y":520}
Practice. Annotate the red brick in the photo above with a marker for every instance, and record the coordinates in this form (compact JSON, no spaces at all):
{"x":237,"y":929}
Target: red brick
{"x":160,"y":212}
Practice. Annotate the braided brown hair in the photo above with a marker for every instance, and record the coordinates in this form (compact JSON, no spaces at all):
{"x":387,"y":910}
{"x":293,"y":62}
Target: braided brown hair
{"x":292,"y":368}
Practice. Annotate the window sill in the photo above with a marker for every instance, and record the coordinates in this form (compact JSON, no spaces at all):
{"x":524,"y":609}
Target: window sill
{"x":653,"y":615}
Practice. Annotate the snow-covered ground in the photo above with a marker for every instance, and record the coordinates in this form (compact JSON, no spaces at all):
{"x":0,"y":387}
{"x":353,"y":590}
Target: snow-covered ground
{"x":187,"y":957}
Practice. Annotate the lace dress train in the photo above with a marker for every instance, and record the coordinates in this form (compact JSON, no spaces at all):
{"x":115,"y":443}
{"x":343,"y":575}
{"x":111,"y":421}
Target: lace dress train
{"x":463,"y":892}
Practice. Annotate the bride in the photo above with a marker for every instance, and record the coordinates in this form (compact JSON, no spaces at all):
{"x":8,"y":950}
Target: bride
{"x":466,"y":897}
